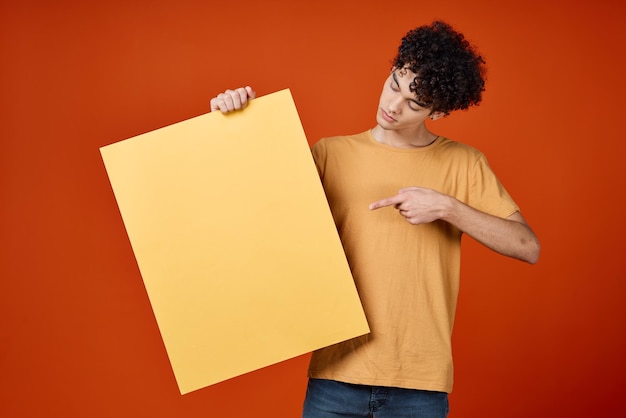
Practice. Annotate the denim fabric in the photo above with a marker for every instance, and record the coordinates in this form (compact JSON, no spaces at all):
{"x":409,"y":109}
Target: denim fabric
{"x":331,"y":399}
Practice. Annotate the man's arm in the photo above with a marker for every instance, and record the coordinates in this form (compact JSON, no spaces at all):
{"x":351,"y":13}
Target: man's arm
{"x":511,"y":236}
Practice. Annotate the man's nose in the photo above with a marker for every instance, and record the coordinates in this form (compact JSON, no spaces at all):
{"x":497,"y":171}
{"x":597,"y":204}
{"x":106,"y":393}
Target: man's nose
{"x":395,"y":105}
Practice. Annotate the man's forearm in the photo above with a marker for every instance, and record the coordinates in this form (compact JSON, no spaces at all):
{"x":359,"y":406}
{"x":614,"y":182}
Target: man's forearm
{"x":511,"y":236}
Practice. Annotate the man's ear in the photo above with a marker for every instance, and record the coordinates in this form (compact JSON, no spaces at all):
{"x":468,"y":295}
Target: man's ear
{"x":436,"y":115}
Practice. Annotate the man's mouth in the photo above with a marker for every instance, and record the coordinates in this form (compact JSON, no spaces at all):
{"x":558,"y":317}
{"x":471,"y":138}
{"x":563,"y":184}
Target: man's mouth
{"x":387,"y":117}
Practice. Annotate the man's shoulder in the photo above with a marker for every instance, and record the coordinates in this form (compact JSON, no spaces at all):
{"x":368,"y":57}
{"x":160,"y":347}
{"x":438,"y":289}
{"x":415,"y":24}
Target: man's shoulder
{"x":450,"y":146}
{"x":338,"y":140}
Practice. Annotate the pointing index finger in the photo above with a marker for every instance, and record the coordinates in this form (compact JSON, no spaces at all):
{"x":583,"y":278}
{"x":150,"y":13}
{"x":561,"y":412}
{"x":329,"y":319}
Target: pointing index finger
{"x":389,"y":201}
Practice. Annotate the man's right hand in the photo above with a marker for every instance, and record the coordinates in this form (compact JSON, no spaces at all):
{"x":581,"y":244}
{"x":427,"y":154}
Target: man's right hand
{"x":232,"y":100}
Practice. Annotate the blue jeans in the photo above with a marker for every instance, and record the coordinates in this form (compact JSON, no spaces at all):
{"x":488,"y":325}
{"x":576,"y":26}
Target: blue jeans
{"x":331,"y":399}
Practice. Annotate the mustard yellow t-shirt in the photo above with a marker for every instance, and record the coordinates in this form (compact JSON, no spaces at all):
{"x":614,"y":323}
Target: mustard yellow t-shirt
{"x":407,"y":275}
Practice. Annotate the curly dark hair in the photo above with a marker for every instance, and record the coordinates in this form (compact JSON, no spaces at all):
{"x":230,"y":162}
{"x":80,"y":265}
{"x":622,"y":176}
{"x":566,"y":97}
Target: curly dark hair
{"x":450,"y":73}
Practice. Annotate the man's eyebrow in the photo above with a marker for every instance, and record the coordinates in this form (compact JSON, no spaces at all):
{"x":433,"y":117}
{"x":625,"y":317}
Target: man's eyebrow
{"x":417,"y":102}
{"x":420,"y":104}
{"x":395,"y":78}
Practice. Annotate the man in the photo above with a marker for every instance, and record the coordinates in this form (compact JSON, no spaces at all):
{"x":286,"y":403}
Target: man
{"x":402,"y":197}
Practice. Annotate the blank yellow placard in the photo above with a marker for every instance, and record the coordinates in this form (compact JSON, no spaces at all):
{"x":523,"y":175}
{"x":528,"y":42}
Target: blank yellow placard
{"x":234,"y":240}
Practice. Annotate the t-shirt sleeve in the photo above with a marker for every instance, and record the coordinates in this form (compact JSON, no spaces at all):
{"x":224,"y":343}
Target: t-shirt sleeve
{"x":487,"y":193}
{"x":319,"y":156}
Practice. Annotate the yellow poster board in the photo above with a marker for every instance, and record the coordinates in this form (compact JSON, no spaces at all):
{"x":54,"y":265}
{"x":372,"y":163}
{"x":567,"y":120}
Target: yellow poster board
{"x":235,"y":242}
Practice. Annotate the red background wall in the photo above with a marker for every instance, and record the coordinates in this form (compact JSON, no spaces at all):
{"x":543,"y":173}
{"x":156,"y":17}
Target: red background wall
{"x":77,"y":335}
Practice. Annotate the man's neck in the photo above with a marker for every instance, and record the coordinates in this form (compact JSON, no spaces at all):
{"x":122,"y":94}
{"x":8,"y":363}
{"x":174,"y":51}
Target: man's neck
{"x":414,"y":138}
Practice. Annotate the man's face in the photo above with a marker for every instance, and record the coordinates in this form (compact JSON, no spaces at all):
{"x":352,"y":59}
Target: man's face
{"x":399,"y":108}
